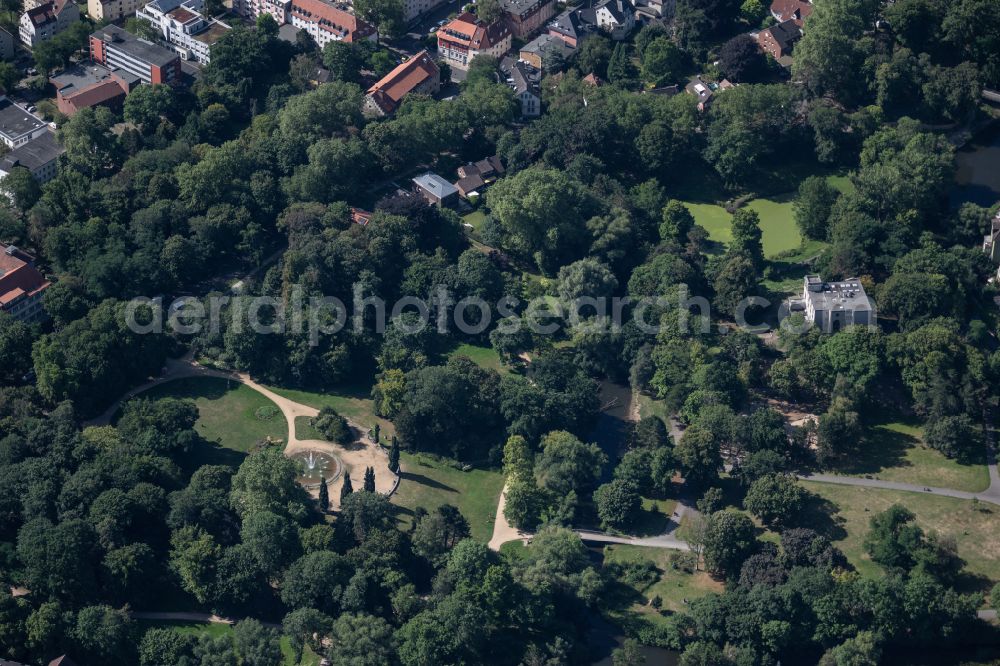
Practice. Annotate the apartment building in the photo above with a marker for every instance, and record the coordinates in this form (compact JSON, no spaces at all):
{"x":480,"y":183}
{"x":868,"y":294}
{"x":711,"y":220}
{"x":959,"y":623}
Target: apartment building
{"x":111,"y":10}
{"x":525,"y":17}
{"x":115,"y":48}
{"x":327,"y":22}
{"x":47,"y":20}
{"x":466,"y":37}
{"x":182,"y":25}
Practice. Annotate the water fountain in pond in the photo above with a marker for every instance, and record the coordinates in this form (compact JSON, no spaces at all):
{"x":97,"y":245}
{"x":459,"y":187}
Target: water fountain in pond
{"x":314,"y":465}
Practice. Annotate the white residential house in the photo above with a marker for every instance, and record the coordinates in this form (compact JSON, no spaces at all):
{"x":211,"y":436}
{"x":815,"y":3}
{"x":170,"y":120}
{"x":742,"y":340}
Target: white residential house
{"x":615,"y":17}
{"x":524,"y":80}
{"x":47,"y":20}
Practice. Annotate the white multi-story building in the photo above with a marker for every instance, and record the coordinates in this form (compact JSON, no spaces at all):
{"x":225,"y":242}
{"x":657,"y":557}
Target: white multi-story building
{"x":324,"y":21}
{"x":833,"y":306}
{"x":182,"y":25}
{"x":42,"y":23}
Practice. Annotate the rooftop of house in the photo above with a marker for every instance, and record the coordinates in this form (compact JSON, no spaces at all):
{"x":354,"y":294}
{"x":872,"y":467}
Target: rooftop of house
{"x":546,"y":45}
{"x":16,"y":121}
{"x":521,"y":7}
{"x":35,"y":154}
{"x":785,"y":33}
{"x":470,"y":183}
{"x":18,"y":275}
{"x":843,"y":295}
{"x":212,"y":33}
{"x":183,"y":15}
{"x":388,"y":91}
{"x":467,"y":29}
{"x":569,"y":23}
{"x":791,"y":9}
{"x":436,"y":185}
{"x":140,"y":49}
{"x":80,"y":77}
{"x":521,"y":76}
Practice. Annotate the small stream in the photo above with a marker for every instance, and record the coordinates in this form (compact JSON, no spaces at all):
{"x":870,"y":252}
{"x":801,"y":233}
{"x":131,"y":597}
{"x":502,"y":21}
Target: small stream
{"x":611,"y":433}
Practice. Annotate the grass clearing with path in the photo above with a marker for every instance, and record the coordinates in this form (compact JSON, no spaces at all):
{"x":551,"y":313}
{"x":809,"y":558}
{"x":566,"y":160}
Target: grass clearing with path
{"x":895,"y":452}
{"x":975,"y":531}
{"x":672,"y":585}
{"x":429,"y":482}
{"x":351,"y":401}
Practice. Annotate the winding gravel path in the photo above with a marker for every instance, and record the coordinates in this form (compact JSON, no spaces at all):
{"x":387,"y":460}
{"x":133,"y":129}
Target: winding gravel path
{"x":355,"y":457}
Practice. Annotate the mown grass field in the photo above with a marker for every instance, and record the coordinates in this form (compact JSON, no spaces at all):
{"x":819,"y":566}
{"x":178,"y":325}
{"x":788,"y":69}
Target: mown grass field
{"x":429,"y":481}
{"x":777,"y":223}
{"x":976,"y":531}
{"x":482,"y":356}
{"x":895,"y":452}
{"x":231,"y":416}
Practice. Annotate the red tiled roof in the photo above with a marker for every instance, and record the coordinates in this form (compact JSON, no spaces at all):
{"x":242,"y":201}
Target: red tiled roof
{"x":395,"y":85}
{"x":469,"y":31}
{"x":18,"y":278}
{"x":332,"y":19}
{"x":797,"y":10}
{"x":98,"y":93}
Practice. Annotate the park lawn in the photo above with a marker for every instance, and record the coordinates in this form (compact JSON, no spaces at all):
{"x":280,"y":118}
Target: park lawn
{"x":841,"y":182}
{"x":673,"y":586}
{"x":975,"y":531}
{"x":654,"y":517}
{"x":475,"y":218}
{"x":650,"y":406}
{"x":485,"y":357}
{"x":351,"y":402}
{"x":515,"y":549}
{"x":218,"y":630}
{"x":894,"y":452}
{"x":304,"y":429}
{"x":227,"y":411}
{"x":777,"y":223}
{"x":429,"y":481}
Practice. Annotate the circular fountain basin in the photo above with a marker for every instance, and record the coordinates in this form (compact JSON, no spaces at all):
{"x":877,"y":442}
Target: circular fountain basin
{"x":315,"y":465}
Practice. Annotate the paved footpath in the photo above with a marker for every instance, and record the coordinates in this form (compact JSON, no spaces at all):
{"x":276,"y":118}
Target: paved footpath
{"x":503,"y":531}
